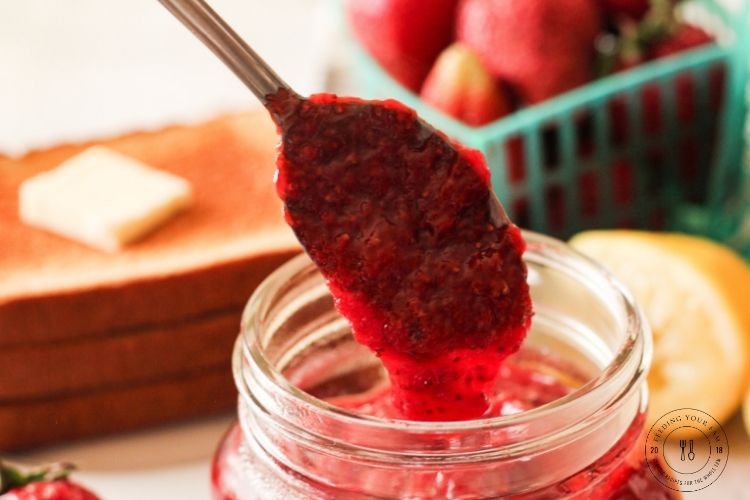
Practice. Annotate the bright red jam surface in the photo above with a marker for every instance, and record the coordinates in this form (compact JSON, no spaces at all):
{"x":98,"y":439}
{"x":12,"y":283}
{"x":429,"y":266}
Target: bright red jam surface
{"x":516,"y":389}
{"x":403,"y":225}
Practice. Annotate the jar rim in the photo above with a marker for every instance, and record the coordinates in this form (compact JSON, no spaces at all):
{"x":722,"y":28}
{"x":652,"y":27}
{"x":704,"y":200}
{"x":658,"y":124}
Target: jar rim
{"x":629,"y":365}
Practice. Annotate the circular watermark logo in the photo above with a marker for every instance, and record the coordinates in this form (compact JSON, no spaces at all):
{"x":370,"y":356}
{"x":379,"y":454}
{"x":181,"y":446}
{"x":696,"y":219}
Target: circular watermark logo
{"x":686,"y":450}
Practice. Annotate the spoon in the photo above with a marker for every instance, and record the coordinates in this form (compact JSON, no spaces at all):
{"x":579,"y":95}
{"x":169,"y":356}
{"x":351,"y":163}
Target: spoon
{"x":249,"y":67}
{"x":403,"y":224}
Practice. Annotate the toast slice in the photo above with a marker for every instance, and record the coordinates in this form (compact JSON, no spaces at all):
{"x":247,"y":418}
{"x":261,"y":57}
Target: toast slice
{"x":66,"y":368}
{"x":42,"y":422}
{"x":208,"y":259}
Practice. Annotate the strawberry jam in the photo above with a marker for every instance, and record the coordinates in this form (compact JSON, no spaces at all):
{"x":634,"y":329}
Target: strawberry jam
{"x":621,"y":474}
{"x":517,"y":388}
{"x":415,"y":249}
{"x":564,"y":420}
{"x":527,"y":381}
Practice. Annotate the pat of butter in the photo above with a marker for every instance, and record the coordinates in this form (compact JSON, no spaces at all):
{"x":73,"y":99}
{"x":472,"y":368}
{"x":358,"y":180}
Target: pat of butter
{"x":102,"y":198}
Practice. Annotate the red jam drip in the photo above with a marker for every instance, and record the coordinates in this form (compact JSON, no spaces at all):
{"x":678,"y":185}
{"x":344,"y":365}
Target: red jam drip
{"x":517,"y":388}
{"x":401,"y":223}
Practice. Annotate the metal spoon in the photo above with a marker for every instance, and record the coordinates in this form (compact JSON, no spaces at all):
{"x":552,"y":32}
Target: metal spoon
{"x":249,"y":67}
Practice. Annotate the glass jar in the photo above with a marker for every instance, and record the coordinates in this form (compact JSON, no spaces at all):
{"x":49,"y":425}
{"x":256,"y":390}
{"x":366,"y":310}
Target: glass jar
{"x":288,"y":443}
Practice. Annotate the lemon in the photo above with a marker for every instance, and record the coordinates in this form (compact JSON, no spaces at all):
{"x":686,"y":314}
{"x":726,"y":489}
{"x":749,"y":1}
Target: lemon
{"x":696,"y":296}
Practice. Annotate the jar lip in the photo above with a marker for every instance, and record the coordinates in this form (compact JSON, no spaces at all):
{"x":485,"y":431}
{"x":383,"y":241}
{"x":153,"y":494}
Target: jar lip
{"x":634,"y":353}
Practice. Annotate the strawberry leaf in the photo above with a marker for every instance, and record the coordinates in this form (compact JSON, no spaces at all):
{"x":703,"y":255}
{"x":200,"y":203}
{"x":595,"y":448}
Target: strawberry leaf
{"x":15,"y":477}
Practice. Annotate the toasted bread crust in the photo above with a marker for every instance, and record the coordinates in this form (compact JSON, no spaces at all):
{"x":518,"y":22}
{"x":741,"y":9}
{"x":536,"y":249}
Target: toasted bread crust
{"x":42,"y":422}
{"x":140,"y":304}
{"x":68,"y":368}
{"x":208,"y":259}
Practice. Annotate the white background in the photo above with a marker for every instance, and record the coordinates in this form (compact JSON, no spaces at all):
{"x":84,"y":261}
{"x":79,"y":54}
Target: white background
{"x":76,"y":69}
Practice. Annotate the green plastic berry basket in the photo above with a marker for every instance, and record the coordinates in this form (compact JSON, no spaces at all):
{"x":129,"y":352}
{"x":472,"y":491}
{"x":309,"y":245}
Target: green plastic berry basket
{"x":659,"y":146}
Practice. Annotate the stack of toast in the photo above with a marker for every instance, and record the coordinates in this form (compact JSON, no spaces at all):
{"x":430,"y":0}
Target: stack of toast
{"x":94,"y":343}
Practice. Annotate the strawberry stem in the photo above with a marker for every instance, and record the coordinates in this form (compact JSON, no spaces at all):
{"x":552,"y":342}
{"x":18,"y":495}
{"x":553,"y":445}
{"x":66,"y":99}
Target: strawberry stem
{"x":15,"y":476}
{"x":630,"y":45}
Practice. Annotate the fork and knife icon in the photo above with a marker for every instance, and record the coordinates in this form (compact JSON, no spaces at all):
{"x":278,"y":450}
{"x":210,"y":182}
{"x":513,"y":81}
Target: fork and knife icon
{"x":691,"y":454}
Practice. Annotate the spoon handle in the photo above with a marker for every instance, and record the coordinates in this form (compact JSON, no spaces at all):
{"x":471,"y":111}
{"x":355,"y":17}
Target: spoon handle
{"x":218,"y":36}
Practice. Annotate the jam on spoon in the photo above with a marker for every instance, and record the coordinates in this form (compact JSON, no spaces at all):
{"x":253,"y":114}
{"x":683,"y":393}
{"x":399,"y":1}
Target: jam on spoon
{"x":417,"y":251}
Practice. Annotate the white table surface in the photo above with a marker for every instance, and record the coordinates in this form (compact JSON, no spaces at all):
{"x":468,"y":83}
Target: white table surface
{"x":81,"y":69}
{"x":171,"y":462}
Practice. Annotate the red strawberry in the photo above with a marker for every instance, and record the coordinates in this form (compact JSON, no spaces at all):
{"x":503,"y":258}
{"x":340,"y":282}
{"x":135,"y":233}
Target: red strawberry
{"x":541,"y":47}
{"x":49,"y":483}
{"x":647,"y":43}
{"x":633,"y":9}
{"x":404,"y":36}
{"x":50,"y":490}
{"x":460,"y":86}
{"x":660,"y":41}
{"x":623,"y":182}
{"x":684,"y":37}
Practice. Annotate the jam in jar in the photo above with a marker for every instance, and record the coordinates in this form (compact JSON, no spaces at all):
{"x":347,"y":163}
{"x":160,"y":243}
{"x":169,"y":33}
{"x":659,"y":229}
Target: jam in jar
{"x":565,"y":419}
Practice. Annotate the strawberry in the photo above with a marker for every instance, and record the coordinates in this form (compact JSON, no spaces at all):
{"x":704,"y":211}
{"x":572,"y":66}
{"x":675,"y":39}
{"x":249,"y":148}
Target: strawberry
{"x":623,"y":182}
{"x":460,"y":86}
{"x":657,"y":37}
{"x":60,"y":489}
{"x":633,"y":9}
{"x":404,"y":36}
{"x":540,"y":47}
{"x":48,"y":483}
{"x":653,"y":39}
{"x":683,"y":37}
